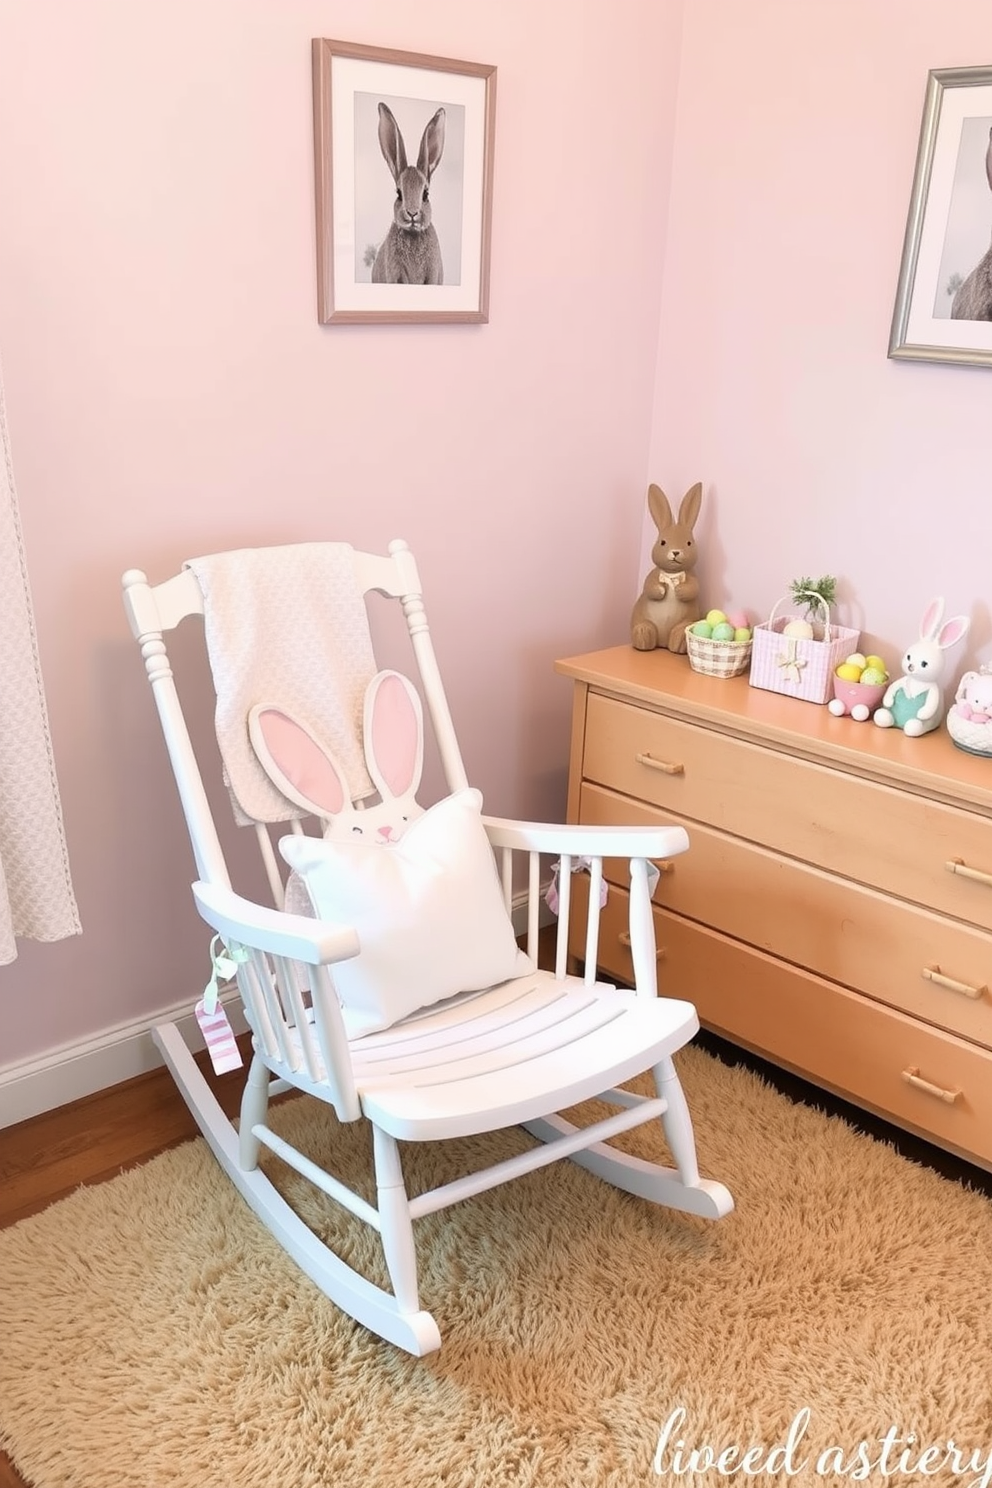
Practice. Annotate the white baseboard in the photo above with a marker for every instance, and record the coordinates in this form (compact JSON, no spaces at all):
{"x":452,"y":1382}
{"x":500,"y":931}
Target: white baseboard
{"x":119,"y":1053}
{"x":69,"y":1072}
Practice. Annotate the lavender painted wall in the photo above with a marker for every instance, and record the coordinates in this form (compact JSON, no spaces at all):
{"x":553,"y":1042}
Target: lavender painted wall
{"x":796,"y":140}
{"x":169,"y":390}
{"x":170,"y":393}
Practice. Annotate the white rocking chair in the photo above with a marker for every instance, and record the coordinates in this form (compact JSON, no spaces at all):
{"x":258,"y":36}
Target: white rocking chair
{"x":516,"y":1053}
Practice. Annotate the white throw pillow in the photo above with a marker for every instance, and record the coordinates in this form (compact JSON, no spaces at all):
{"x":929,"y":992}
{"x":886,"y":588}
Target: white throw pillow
{"x":428,"y":910}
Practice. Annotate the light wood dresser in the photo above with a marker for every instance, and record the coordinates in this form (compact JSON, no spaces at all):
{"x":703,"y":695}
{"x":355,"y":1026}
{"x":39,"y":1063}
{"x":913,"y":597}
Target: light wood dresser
{"x":834,"y":912}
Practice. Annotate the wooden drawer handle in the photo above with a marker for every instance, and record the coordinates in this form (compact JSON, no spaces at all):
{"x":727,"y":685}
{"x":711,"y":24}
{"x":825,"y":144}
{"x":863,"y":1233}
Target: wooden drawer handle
{"x":624,"y":939}
{"x":934,"y":974}
{"x":667,"y":767}
{"x":912,"y":1076}
{"x":958,"y":865}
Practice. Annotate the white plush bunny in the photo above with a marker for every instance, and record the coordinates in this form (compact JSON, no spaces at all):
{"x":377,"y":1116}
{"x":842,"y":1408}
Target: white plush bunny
{"x":914,"y":702}
{"x":307,"y":773}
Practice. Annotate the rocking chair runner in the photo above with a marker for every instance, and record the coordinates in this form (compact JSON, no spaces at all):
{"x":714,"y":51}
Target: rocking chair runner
{"x":516,"y":1053}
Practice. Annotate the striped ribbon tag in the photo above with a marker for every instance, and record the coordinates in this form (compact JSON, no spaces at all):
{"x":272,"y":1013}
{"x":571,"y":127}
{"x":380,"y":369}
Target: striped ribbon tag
{"x":209,"y":1012}
{"x":218,"y":1036}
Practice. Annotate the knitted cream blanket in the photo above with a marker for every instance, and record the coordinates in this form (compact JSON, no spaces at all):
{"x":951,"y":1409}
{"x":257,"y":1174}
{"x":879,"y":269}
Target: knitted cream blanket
{"x":286,"y":626}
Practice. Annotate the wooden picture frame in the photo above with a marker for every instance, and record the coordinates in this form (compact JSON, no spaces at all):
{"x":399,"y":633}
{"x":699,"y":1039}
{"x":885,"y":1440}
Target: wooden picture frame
{"x":382,"y":253}
{"x":942,"y":312}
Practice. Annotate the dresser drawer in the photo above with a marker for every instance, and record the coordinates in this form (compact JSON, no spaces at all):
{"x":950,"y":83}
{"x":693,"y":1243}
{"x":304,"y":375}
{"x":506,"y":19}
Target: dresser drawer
{"x":934,"y":968}
{"x":894,"y":840}
{"x":833,"y":1037}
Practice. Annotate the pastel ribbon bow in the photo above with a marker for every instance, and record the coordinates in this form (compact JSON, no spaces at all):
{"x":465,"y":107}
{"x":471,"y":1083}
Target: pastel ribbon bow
{"x":790,"y":658}
{"x":224,"y":962}
{"x":584,"y":865}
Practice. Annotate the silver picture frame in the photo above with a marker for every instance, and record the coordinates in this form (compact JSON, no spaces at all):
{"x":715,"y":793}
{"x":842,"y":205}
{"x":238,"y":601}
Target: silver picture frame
{"x":943,"y":309}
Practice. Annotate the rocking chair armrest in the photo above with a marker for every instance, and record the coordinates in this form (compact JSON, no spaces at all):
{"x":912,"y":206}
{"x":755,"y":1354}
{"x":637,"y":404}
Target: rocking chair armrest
{"x":578,"y":841}
{"x":314,"y":942}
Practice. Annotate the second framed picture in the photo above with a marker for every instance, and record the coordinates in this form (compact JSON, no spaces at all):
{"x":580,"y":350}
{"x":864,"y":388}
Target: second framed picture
{"x":943,"y":309}
{"x":403,"y":153}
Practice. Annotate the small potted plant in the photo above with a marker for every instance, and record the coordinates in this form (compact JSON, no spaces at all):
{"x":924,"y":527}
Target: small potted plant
{"x":814,"y":597}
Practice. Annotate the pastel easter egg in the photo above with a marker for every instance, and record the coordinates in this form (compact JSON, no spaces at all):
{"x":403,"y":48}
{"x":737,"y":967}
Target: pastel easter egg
{"x":739,"y":619}
{"x":724,"y":631}
{"x":742,"y":633}
{"x":703,"y":628}
{"x":716,"y":617}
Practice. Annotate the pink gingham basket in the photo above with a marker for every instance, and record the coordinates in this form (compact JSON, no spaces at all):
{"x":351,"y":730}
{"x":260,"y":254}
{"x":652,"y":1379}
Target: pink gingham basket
{"x":795,"y":666}
{"x":717,"y":658}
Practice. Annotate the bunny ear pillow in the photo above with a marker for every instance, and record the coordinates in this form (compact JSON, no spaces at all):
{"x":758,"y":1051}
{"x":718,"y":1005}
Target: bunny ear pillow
{"x":419,"y":887}
{"x":308,"y":774}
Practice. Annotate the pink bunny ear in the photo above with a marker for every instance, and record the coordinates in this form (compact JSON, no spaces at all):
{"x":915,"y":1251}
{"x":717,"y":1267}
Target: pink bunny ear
{"x":930,"y":623}
{"x":394,"y":734}
{"x":952,"y":631}
{"x":295,"y":763}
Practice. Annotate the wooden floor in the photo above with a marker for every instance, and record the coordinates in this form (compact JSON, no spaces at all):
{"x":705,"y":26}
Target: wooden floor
{"x":96,"y":1138}
{"x":44,"y":1159}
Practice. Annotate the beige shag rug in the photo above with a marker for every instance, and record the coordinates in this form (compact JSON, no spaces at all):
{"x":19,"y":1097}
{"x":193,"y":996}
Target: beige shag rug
{"x":151,"y":1333}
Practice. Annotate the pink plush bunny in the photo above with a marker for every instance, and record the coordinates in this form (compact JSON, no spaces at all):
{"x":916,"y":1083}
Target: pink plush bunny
{"x":973,"y":700}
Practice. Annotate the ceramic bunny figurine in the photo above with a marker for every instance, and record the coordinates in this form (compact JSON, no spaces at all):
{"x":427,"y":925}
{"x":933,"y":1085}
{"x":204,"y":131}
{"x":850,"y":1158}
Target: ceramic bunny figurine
{"x":969,"y":718}
{"x":669,"y":601}
{"x":973,"y":699}
{"x":914,"y":702}
{"x":307,"y":773}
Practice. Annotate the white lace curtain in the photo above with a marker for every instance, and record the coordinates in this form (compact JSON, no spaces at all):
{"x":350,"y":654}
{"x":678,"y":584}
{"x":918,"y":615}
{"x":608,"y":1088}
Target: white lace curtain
{"x":36,"y":896}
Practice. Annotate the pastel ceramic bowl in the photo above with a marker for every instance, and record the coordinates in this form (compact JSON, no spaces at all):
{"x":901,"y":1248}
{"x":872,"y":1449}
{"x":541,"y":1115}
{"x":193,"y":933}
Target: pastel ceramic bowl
{"x":860,"y":699}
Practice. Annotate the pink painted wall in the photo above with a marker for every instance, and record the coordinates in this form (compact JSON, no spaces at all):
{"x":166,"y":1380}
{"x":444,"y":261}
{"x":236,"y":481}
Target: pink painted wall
{"x":796,"y":142}
{"x":170,"y":393}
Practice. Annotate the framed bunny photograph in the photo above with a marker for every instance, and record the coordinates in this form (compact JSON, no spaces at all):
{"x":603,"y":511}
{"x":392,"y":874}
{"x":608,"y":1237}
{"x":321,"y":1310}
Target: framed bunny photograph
{"x":403,"y":157}
{"x":943,"y":310}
